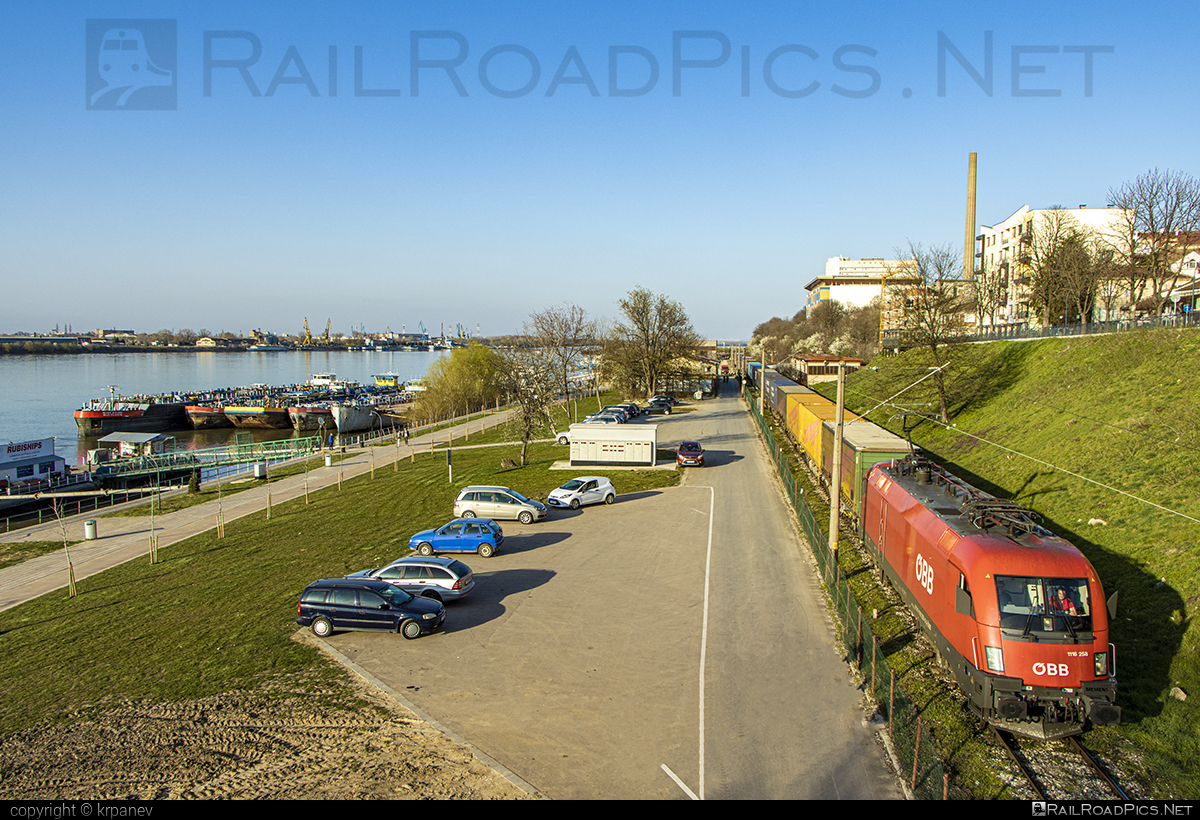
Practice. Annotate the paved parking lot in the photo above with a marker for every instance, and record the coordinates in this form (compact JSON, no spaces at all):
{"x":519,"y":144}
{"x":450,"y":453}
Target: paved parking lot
{"x":575,"y":659}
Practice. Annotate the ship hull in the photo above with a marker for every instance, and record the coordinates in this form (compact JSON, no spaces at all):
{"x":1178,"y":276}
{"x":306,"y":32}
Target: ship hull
{"x":206,"y":418}
{"x":352,"y":418}
{"x":259,"y":418}
{"x":312,"y":418}
{"x":142,"y":418}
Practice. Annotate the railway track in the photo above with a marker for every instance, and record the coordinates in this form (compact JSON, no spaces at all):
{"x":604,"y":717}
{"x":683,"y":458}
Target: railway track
{"x":1060,"y":770}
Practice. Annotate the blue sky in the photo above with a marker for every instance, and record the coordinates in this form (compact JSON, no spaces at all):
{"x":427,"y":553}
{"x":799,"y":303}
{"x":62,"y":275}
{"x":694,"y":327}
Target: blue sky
{"x":234,"y":211}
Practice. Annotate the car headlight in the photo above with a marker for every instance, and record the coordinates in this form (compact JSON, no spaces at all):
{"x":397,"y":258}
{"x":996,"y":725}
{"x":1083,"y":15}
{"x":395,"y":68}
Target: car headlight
{"x":995,"y":658}
{"x":429,"y":616}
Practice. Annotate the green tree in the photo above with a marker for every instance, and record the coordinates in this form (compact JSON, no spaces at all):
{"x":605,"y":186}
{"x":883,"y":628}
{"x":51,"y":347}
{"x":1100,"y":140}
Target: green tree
{"x":462,"y":382}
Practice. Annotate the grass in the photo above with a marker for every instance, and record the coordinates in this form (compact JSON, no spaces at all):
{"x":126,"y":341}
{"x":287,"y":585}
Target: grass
{"x":1101,"y":436}
{"x":216,"y":615}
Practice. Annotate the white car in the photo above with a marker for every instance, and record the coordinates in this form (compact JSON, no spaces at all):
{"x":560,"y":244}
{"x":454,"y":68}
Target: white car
{"x":577,"y":492}
{"x":563,"y":437}
{"x":601,"y":418}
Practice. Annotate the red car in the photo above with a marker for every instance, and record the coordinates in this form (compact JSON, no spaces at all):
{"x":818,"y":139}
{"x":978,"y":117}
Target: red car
{"x":690,"y":454}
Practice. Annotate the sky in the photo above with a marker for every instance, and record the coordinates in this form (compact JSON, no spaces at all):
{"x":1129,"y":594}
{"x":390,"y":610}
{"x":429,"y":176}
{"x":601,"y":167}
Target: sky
{"x":468,"y":163}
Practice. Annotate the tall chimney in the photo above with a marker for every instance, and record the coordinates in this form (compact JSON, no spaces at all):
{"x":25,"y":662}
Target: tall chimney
{"x":969,"y":244}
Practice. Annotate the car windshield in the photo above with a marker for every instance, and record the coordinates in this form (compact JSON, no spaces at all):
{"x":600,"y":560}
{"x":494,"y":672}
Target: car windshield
{"x":689,"y":447}
{"x":572,"y":485}
{"x":395,"y":595}
{"x":1036,"y":606}
{"x":520,"y":497}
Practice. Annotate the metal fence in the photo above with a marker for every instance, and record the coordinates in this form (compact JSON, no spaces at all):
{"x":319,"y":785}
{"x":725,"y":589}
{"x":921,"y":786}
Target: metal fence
{"x":893,"y":340}
{"x":916,"y":754}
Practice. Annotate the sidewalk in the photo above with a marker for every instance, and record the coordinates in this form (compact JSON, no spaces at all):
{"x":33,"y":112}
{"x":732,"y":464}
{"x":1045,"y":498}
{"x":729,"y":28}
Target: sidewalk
{"x":123,"y":539}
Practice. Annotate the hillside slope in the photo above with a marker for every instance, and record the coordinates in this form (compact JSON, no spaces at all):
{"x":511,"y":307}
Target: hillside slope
{"x":1101,"y":436}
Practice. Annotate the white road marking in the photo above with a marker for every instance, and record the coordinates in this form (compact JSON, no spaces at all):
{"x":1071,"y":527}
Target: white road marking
{"x":679,"y":782}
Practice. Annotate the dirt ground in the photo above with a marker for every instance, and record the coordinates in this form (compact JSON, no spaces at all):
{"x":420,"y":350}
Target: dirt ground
{"x":270,"y":743}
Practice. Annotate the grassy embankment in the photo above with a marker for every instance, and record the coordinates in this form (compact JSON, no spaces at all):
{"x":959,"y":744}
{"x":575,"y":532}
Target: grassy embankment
{"x":216,"y":615}
{"x":1123,"y":411}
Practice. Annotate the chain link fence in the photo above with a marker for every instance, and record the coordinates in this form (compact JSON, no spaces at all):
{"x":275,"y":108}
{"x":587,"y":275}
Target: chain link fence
{"x":923,"y":770}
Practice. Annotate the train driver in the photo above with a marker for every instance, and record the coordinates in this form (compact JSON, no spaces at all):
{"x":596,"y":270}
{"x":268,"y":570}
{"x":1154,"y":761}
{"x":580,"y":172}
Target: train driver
{"x":1060,"y":601}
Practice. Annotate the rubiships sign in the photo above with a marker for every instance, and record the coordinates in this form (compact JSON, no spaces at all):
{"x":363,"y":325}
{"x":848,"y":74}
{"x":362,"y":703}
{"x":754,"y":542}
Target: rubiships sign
{"x":25,"y":450}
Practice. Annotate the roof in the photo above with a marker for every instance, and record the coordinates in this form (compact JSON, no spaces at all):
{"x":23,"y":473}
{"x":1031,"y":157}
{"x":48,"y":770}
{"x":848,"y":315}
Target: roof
{"x":133,"y":438}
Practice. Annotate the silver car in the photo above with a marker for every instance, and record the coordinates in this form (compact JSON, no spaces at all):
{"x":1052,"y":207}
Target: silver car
{"x":441,"y":579}
{"x":498,"y":503}
{"x":588,"y":489}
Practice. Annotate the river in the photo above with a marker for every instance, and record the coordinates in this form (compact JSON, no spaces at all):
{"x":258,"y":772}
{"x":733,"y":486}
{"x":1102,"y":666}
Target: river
{"x":40,"y":393}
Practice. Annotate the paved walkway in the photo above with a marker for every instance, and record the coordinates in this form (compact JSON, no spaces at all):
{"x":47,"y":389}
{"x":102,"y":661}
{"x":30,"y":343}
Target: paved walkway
{"x":123,"y":539}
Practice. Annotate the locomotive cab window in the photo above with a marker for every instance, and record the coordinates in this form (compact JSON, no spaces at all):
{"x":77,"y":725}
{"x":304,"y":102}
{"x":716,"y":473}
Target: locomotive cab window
{"x":1044,"y":606}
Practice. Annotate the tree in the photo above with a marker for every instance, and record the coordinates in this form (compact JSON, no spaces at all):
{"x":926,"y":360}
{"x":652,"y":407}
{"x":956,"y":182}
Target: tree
{"x":465,"y":380}
{"x":566,"y":335}
{"x":1061,"y":270}
{"x":527,"y":373}
{"x":933,"y":305}
{"x":650,"y":343}
{"x":1162,"y":218}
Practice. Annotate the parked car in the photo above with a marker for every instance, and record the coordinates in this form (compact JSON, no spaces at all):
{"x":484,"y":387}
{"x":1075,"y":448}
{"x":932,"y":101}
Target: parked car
{"x":664,"y":397}
{"x":617,"y":410}
{"x":481,"y":535}
{"x":497,"y":502}
{"x":634,"y":410}
{"x":601,"y":418}
{"x":333,"y":604}
{"x":579,"y":492}
{"x":442,"y":579}
{"x":690,"y":454}
{"x":658,"y":408}
{"x":564,"y":437}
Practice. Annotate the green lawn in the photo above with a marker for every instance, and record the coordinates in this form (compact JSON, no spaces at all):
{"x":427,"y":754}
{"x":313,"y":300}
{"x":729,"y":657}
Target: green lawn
{"x":217,"y":614}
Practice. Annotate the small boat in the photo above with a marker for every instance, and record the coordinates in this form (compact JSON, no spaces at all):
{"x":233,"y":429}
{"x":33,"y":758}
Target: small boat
{"x":388,"y":380}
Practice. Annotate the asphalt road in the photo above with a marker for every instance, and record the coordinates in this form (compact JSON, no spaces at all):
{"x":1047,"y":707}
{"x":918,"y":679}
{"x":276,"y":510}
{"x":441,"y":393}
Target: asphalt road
{"x":674,"y":644}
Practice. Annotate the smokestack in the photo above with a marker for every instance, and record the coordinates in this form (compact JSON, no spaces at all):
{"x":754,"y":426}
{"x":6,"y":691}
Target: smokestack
{"x":969,"y":244}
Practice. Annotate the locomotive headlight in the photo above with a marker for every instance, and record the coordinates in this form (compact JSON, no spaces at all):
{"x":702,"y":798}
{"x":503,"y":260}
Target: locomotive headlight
{"x":995,"y":658}
{"x":1101,"y":663}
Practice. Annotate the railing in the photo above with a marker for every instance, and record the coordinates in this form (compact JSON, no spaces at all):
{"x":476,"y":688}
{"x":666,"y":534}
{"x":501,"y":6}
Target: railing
{"x":999,"y":333}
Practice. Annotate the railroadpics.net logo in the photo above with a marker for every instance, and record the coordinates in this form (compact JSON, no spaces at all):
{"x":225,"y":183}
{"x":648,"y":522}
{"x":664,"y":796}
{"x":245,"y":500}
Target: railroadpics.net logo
{"x":131,"y":65}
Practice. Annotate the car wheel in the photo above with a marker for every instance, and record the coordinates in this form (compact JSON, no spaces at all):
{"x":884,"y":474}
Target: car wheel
{"x":485,"y":550}
{"x":525,"y":517}
{"x":410,"y":629}
{"x":574,"y":503}
{"x":321,"y":627}
{"x":431,"y":595}
{"x":610,"y":498}
{"x":425,"y":549}
{"x":563,"y":440}
{"x":468,"y":514}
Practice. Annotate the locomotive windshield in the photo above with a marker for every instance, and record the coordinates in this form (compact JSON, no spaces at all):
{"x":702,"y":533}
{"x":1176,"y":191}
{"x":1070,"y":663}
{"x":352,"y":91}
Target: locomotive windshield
{"x":1036,"y":607}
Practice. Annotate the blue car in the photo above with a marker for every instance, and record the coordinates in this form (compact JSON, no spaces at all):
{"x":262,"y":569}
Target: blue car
{"x":481,"y":535}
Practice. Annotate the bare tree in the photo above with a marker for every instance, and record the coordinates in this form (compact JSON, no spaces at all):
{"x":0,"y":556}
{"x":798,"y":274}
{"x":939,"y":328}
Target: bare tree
{"x":934,"y":305}
{"x":654,"y":336}
{"x":567,"y":336}
{"x":528,"y":374}
{"x":1162,"y":217}
{"x":989,"y":290}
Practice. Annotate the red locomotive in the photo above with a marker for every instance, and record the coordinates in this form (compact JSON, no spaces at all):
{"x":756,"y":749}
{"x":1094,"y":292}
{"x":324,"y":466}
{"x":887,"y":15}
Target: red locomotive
{"x":1015,"y":611}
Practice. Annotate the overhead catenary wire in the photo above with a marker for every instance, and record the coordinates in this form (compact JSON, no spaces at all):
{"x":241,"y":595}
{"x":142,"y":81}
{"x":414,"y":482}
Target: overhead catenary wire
{"x":887,"y":403}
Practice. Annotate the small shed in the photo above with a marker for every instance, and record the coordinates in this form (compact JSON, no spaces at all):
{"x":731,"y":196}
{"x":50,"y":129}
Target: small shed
{"x":138,"y":444}
{"x":29,"y":460}
{"x":615,"y":445}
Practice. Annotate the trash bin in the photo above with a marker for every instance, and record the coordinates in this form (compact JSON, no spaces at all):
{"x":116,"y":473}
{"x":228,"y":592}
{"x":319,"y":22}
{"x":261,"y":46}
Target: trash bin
{"x":328,"y":461}
{"x":89,"y":530}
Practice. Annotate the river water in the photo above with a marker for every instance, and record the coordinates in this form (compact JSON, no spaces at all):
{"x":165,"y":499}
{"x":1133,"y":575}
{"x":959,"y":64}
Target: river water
{"x":40,"y":393}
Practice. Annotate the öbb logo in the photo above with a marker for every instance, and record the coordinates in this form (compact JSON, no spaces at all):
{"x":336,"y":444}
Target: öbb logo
{"x":1053,"y":670}
{"x":924,"y":574}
